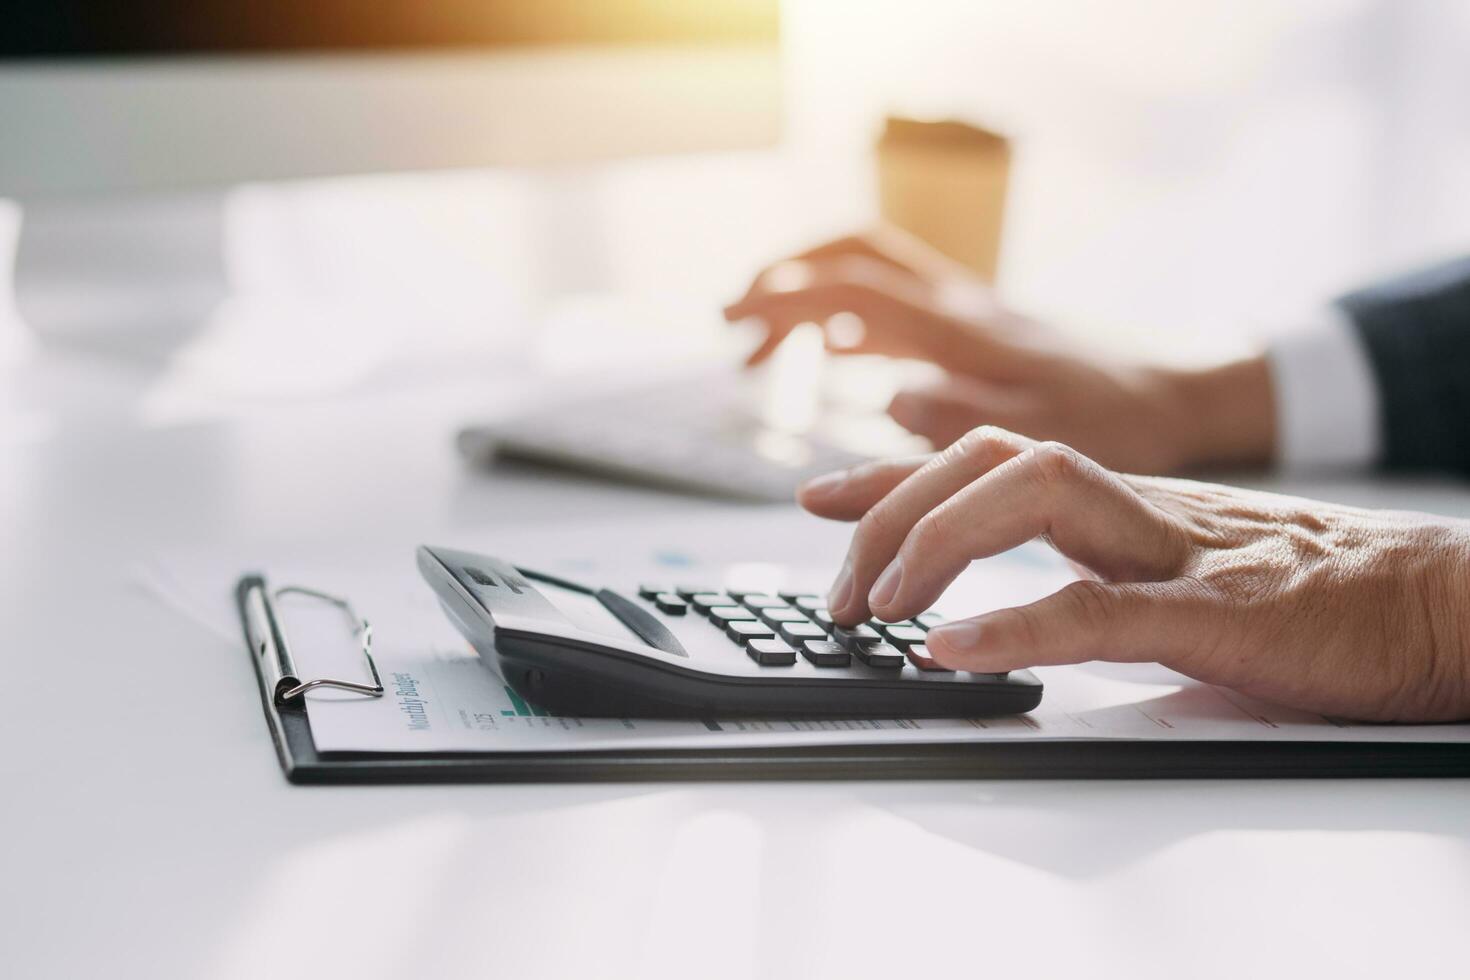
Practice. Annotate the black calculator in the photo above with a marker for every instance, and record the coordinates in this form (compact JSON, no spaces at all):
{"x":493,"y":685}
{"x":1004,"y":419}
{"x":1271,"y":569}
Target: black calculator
{"x":700,"y":651}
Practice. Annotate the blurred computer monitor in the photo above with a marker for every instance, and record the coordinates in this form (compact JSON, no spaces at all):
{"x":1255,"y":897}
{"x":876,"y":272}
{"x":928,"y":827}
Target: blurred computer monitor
{"x":100,"y":103}
{"x":162,"y":94}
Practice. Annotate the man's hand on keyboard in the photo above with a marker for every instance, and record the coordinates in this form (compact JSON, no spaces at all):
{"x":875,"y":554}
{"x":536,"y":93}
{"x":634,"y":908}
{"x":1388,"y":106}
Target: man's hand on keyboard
{"x":888,"y":293}
{"x":1354,"y":613}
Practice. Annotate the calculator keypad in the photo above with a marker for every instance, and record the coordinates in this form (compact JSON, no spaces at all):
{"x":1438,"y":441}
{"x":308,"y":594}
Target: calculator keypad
{"x":855,"y":636}
{"x":782,"y":614}
{"x":703,"y":602}
{"x":825,"y":653}
{"x":741,"y":630}
{"x":723,"y":616}
{"x":902,"y":635}
{"x":670,"y":604}
{"x":799,"y":633}
{"x":774,"y":630}
{"x":878,"y":654}
{"x":918,"y":655}
{"x":771,"y":653}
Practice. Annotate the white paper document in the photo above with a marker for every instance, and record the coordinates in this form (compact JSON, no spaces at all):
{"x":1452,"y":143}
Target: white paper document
{"x":451,"y":702}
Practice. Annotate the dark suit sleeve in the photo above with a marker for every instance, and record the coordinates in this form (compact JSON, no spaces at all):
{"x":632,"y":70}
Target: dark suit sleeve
{"x":1417,"y":334}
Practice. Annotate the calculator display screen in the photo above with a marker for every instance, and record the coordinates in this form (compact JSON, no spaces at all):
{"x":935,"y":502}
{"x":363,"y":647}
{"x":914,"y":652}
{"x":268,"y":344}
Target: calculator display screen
{"x":586,"y":613}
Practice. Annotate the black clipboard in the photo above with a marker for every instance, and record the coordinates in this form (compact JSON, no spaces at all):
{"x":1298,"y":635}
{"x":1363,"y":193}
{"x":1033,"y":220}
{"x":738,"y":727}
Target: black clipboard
{"x":281,"y":691}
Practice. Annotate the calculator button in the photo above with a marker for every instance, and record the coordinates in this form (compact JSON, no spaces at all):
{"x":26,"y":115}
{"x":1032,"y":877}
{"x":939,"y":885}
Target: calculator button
{"x":918,"y":655}
{"x":759,"y":600}
{"x":928,"y":620}
{"x":770,"y":653}
{"x":703,"y":602}
{"x":650,"y":589}
{"x":741,"y":630}
{"x":856,"y":636}
{"x":722,"y":616}
{"x":825,"y":653}
{"x":878,"y":654}
{"x":822,"y":618}
{"x":903,"y":635}
{"x":795,"y":597}
{"x":798,"y":633}
{"x":810,"y":603}
{"x":687,"y":591}
{"x":784,"y":614}
{"x":670,"y":604}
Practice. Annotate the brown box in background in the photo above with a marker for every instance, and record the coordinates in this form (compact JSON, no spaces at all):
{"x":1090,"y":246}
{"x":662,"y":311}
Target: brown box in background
{"x":945,"y":182}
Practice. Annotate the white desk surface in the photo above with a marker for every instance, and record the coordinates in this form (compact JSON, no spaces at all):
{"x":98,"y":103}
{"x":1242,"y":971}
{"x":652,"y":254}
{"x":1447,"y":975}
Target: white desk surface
{"x":147,"y":829}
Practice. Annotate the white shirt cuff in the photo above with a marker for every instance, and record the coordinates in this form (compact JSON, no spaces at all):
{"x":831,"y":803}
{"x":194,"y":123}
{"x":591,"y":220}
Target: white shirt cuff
{"x":1326,"y":397}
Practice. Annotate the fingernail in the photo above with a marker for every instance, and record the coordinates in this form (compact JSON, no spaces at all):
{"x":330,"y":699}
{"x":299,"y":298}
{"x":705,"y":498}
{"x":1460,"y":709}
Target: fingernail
{"x":959,"y":637}
{"x":887,"y":585}
{"x":826,"y":483}
{"x":841,"y":589}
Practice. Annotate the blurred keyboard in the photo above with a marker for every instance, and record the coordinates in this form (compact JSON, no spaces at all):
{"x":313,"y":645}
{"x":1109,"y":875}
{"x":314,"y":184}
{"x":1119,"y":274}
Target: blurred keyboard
{"x":705,"y":434}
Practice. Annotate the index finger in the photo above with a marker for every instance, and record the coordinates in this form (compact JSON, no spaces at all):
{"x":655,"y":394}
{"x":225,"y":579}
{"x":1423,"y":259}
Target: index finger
{"x":1050,"y":491}
{"x":886,"y":522}
{"x":863,"y":246}
{"x":827,"y":283}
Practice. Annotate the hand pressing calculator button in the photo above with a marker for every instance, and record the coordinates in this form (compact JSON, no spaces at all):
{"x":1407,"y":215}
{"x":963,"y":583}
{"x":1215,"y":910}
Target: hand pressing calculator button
{"x":578,"y":649}
{"x":918,"y":655}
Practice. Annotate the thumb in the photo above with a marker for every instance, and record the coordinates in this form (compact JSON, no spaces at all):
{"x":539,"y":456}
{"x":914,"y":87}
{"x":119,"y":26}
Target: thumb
{"x":1087,"y":620}
{"x":943,"y":413}
{"x":941,"y":422}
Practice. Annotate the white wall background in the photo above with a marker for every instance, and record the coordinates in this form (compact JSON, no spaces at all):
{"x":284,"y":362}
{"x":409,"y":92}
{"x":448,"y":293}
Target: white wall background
{"x":1190,"y":173}
{"x":1188,"y":166}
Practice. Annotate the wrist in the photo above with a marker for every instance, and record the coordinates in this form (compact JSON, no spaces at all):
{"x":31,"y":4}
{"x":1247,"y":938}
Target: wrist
{"x":1223,"y":415}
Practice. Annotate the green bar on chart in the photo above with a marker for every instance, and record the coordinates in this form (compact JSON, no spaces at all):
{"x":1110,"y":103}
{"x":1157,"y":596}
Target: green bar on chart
{"x":522,"y":708}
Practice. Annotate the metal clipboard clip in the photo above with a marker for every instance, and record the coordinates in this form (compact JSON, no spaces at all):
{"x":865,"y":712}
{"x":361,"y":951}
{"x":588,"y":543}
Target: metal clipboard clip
{"x":269,"y":644}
